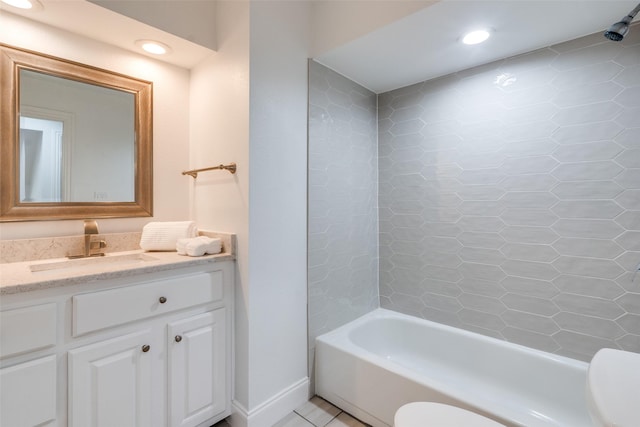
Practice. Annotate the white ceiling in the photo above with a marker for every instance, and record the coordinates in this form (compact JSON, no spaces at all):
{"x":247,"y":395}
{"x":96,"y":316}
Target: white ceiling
{"x":426,"y":44}
{"x":420,"y":46}
{"x":97,"y":23}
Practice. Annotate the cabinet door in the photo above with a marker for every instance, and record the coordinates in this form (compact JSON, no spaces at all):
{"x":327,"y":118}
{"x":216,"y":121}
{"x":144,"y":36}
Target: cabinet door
{"x":197,"y":368}
{"x":28,"y":393}
{"x":110,"y":383}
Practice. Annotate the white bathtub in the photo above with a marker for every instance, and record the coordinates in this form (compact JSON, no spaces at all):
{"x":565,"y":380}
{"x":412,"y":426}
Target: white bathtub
{"x":375,"y":364}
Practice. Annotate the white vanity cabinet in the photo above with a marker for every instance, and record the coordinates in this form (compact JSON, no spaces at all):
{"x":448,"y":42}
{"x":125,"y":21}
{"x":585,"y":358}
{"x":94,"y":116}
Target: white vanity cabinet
{"x":28,"y":388}
{"x":151,"y":350}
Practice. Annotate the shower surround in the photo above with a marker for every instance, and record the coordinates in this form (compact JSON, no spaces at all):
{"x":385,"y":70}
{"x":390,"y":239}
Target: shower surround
{"x":509,"y":198}
{"x":343,"y":201}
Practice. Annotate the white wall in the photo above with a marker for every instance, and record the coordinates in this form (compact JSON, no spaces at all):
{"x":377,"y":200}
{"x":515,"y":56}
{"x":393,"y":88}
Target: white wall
{"x":248,"y":105}
{"x":170,"y":122}
{"x":219,"y":123}
{"x":278,"y":198}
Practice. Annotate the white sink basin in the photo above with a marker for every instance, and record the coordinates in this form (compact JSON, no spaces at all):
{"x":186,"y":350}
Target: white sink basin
{"x":92,"y":263}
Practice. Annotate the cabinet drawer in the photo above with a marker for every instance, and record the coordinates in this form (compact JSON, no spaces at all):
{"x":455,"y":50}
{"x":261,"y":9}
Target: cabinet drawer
{"x":99,"y":310}
{"x":27,"y":329}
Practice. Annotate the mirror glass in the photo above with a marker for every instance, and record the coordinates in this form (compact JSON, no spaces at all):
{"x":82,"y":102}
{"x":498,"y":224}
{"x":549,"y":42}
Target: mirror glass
{"x":67,"y":141}
{"x":77,"y":141}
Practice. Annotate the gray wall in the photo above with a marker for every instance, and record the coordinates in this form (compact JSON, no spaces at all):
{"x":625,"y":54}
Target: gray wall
{"x":509,"y":198}
{"x":343,"y":220}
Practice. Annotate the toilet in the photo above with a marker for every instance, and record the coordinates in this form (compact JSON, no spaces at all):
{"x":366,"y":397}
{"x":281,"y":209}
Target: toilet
{"x":613,"y":388}
{"x":613,"y":398}
{"x":423,"y":414}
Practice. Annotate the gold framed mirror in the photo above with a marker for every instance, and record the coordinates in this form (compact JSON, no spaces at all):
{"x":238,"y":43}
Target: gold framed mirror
{"x":76,"y":140}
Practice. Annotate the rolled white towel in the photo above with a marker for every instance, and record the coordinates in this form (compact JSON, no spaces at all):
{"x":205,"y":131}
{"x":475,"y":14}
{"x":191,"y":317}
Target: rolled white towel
{"x":198,"y":246}
{"x":162,"y":236}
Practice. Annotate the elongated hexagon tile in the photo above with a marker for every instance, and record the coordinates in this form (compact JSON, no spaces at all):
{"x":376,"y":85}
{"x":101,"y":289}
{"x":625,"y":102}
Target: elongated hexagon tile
{"x":595,"y":248}
{"x":630,"y":302}
{"x":587,"y":132}
{"x":587,"y":171}
{"x":630,"y":220}
{"x":528,"y":304}
{"x":581,"y":95}
{"x":586,"y":75}
{"x":629,"y":199}
{"x":529,"y":287}
{"x":629,"y":138}
{"x":629,"y":240}
{"x":628,"y":118}
{"x":587,"y":209}
{"x":587,"y":228}
{"x":629,"y":342}
{"x":587,"y":190}
{"x":528,"y":217}
{"x":629,"y":158}
{"x":593,"y":326}
{"x":630,"y":323}
{"x":588,"y":286}
{"x":588,"y":306}
{"x":597,"y":112}
{"x":587,"y":151}
{"x":530,"y":322}
{"x":529,"y":252}
{"x":528,"y":234}
{"x":590,"y":267}
{"x":630,"y":97}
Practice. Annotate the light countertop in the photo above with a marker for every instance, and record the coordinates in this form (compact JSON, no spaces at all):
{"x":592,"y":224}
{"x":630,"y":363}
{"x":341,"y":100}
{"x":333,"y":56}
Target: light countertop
{"x":27,"y":276}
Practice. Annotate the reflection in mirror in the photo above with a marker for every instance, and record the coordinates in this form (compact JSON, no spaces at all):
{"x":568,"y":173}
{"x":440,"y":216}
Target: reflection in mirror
{"x":41,"y":151}
{"x":76,"y":140}
{"x":99,"y":119}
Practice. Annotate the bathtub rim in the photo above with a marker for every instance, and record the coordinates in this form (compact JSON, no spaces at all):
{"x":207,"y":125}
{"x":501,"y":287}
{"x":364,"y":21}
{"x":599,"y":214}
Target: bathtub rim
{"x":339,"y":339}
{"x":341,"y":333}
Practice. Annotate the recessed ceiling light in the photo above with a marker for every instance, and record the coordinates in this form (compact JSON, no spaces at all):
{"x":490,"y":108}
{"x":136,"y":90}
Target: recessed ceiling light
{"x":24,"y":4}
{"x":475,"y":37}
{"x":154,"y":47}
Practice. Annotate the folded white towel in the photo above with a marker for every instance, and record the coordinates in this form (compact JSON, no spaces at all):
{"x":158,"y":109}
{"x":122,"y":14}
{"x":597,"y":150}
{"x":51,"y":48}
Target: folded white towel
{"x":198,"y":246}
{"x":162,"y":236}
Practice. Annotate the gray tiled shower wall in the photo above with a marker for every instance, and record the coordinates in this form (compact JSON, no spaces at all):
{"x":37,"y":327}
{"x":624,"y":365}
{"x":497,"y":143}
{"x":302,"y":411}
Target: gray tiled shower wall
{"x":343,"y":201}
{"x":509,"y":198}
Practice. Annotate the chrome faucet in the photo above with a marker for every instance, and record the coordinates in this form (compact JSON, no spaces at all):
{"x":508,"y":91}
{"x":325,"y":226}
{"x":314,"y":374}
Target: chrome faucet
{"x":90,"y":245}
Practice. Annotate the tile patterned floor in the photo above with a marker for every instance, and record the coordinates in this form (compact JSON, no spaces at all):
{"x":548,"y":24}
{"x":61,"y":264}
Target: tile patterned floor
{"x":315,"y":413}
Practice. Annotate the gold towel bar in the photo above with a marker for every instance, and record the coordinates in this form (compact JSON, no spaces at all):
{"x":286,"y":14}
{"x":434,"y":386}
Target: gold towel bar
{"x":231,"y":167}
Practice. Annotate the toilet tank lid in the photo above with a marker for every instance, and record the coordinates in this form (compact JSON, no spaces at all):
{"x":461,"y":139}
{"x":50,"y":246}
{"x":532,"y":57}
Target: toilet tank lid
{"x":614,"y":384}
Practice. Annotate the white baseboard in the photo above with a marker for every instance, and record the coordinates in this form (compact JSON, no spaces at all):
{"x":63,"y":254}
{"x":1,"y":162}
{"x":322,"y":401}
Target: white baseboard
{"x":272,"y":410}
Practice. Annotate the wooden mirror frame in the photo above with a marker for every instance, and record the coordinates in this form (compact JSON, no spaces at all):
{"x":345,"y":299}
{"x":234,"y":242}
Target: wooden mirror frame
{"x":12,"y":60}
